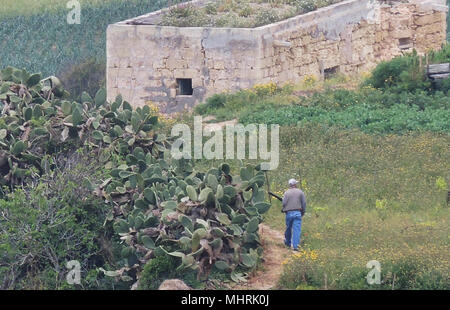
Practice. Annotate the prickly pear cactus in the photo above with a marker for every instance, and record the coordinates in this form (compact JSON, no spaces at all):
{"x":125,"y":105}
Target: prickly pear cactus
{"x":207,"y":220}
{"x":37,"y":121}
{"x":159,"y":206}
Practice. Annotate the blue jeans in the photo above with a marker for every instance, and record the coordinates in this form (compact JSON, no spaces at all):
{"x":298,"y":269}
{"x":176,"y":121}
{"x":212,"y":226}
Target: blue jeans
{"x":293,"y":228}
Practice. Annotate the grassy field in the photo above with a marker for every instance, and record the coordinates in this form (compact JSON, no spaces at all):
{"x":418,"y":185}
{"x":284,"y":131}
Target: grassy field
{"x":26,"y":7}
{"x":36,"y":35}
{"x":370,"y":197}
{"x":372,"y":194}
{"x":367,"y":109}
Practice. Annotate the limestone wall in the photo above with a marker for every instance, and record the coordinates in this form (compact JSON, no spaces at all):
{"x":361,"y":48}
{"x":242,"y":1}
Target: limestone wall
{"x":349,"y":38}
{"x":145,"y":61}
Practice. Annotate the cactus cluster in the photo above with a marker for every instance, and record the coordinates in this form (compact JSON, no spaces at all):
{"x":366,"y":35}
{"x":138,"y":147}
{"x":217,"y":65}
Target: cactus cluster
{"x":37,"y":121}
{"x":159,"y":205}
{"x":208,"y":220}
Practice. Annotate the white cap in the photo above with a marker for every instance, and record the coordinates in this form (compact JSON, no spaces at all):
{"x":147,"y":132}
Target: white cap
{"x":293,"y":182}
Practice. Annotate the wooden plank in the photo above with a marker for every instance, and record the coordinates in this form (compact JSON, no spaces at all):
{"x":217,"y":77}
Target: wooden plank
{"x":439,"y":68}
{"x":440,"y":76}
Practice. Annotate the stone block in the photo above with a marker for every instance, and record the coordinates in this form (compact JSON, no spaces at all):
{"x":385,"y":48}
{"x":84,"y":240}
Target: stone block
{"x":125,"y":72}
{"x":427,"y":19}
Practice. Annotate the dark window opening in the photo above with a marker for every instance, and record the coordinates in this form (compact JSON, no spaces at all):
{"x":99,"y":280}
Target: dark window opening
{"x":405,"y":43}
{"x":184,"y":87}
{"x":330,"y":72}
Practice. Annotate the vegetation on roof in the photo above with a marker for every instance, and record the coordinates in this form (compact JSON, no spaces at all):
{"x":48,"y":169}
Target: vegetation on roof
{"x":239,"y":13}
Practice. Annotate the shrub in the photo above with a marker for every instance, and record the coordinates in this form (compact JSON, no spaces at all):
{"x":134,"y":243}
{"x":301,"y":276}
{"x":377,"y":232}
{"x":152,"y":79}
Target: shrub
{"x":371,"y":110}
{"x":307,"y":5}
{"x":185,"y":15}
{"x":408,"y":73}
{"x":157,"y":270}
{"x":88,"y":75}
{"x":444,"y":85}
{"x":400,"y":74}
{"x":211,"y":9}
{"x":212,"y":103}
{"x":246,"y":11}
{"x":239,"y":13}
{"x":265,"y":17}
{"x":50,"y":222}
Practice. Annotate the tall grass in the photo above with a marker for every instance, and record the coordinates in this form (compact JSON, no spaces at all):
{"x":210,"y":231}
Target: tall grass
{"x":370,"y":197}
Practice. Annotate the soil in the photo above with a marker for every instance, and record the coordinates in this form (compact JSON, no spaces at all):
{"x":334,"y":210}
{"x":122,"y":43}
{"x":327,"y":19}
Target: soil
{"x":275,"y":252}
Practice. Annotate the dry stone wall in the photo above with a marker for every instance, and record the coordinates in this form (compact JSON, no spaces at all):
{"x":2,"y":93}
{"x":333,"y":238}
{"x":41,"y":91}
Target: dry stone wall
{"x":148,"y":63}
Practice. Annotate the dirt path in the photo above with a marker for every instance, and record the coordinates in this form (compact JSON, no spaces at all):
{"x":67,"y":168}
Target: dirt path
{"x":266,"y":277}
{"x":210,"y":127}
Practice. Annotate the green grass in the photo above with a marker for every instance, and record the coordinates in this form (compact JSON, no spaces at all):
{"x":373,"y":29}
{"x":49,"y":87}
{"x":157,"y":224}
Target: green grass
{"x":374,"y":165}
{"x":11,"y":8}
{"x":36,"y":35}
{"x":367,"y":109}
{"x":26,"y":7}
{"x":370,"y":197}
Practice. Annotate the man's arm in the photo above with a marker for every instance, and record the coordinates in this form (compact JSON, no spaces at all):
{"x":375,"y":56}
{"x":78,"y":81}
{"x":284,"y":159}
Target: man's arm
{"x":303,"y":203}
{"x":284,"y":201}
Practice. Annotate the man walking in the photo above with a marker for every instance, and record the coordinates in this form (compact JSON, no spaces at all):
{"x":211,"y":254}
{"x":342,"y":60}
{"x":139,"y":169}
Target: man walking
{"x":294,"y":205}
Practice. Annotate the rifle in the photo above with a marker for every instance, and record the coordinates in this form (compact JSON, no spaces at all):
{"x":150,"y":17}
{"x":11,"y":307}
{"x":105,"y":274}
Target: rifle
{"x":276,"y":196}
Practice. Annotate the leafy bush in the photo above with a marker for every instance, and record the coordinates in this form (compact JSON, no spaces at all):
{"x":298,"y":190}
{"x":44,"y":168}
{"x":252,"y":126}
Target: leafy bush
{"x":214,"y":102}
{"x":184,"y":15}
{"x":231,"y":105}
{"x":444,"y":85}
{"x":156,"y":271}
{"x":307,"y":5}
{"x":397,"y":119}
{"x":201,"y":219}
{"x":50,"y":222}
{"x":408,"y":72}
{"x":400,"y":74}
{"x":266,"y":17}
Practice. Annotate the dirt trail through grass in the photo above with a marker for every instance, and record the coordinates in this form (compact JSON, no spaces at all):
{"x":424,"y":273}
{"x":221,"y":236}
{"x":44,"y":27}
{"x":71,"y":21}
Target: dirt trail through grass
{"x":267,"y":275}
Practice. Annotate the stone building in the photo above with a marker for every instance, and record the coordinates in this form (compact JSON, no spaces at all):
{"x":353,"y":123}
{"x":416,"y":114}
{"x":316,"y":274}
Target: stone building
{"x":180,"y":67}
